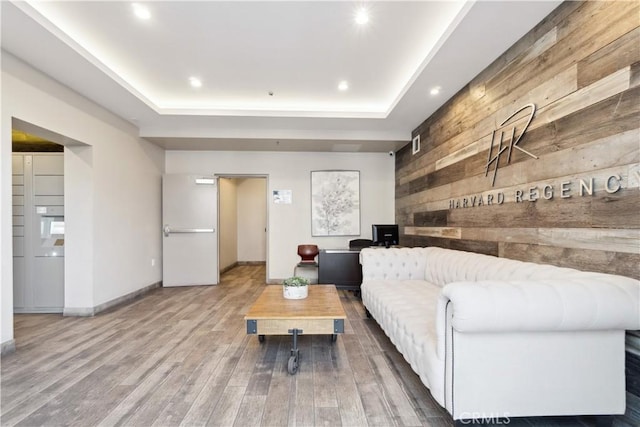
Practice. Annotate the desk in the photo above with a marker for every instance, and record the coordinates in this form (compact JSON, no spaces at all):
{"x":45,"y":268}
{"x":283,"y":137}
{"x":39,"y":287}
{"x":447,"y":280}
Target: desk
{"x":341,"y":267}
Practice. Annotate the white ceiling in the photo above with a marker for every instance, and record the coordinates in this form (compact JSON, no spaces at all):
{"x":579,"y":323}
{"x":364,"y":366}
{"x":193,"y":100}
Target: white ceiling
{"x":241,"y":51}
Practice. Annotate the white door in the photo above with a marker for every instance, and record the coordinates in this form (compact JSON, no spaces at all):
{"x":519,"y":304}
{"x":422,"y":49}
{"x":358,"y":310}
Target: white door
{"x":190,"y":241}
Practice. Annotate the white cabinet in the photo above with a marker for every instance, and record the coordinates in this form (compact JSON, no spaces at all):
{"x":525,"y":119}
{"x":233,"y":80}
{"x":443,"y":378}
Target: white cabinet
{"x":38,"y":232}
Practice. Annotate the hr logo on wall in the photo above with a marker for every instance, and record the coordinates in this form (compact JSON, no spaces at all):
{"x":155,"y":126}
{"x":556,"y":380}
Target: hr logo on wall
{"x":507,"y":137}
{"x":508,"y":126}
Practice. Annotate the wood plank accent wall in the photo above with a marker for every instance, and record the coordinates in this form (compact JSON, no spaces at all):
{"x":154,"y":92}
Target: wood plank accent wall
{"x":581,"y":69}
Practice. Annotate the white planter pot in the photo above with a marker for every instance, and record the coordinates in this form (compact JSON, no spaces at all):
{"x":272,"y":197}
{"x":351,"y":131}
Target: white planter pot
{"x":295,"y":292}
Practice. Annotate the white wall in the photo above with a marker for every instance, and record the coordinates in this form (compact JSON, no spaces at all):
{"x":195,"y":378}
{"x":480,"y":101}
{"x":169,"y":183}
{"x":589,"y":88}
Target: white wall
{"x":6,"y":243}
{"x":290,"y":225}
{"x":252,"y":219}
{"x":228,"y":222}
{"x":79,"y":221}
{"x":112,"y":192}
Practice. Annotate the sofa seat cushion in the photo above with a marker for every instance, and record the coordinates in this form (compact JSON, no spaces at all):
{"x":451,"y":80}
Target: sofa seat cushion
{"x":406,"y":311}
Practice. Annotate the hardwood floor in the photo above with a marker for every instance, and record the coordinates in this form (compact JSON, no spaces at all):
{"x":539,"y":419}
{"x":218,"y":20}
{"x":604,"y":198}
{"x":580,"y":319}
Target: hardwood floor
{"x":181,"y":356}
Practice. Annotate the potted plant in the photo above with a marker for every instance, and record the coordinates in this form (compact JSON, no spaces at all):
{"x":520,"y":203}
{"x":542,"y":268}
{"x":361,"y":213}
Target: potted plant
{"x":295,"y":287}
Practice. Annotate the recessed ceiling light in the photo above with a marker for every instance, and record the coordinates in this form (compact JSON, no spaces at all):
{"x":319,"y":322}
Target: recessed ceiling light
{"x":435,"y":90}
{"x":343,"y":85}
{"x":195,"y":82}
{"x":141,"y":11}
{"x":362,"y":16}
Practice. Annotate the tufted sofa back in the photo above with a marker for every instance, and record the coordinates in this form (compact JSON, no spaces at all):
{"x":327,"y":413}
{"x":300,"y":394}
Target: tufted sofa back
{"x":442,"y":266}
{"x":446,"y":266}
{"x":393,"y":263}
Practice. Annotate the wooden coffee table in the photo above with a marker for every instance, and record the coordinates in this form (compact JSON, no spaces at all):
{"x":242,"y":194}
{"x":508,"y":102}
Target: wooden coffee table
{"x":320,"y":313}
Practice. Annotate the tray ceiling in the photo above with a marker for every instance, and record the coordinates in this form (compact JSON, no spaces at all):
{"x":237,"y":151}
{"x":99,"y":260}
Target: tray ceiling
{"x":268,"y":70}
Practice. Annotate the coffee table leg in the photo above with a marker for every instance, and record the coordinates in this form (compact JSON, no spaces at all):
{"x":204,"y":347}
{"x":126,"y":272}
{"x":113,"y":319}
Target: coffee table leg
{"x":292,"y":365}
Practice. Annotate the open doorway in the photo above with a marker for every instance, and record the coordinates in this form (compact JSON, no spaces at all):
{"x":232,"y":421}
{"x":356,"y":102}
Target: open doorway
{"x":38,"y":224}
{"x":242,"y":221}
{"x":40,"y":161}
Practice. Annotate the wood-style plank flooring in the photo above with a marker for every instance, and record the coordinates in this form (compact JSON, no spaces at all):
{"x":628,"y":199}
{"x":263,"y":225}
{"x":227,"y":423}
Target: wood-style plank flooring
{"x":181,"y":356}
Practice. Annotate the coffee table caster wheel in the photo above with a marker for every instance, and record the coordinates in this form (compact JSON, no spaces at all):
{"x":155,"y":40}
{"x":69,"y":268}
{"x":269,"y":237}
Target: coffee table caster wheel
{"x":292,"y":366}
{"x":260,"y":338}
{"x":334,"y":337}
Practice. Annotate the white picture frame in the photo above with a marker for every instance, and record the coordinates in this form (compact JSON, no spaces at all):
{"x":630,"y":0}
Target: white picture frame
{"x":335,"y":203}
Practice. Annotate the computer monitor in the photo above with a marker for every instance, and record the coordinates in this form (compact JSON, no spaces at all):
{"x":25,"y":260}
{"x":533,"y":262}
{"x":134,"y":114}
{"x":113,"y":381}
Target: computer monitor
{"x":385,"y":234}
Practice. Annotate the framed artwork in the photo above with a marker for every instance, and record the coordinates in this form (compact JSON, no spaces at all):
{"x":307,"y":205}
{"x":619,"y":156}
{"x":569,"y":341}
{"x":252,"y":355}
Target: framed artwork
{"x":335,"y":203}
{"x":283,"y":197}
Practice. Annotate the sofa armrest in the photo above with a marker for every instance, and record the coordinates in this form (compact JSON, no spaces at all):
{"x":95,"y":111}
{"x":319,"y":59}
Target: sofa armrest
{"x":543,"y":305}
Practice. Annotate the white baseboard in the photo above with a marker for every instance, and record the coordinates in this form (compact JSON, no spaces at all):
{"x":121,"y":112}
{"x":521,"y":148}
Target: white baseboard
{"x":79,"y":311}
{"x":92,"y":311}
{"x":51,"y":310}
{"x":8,"y":347}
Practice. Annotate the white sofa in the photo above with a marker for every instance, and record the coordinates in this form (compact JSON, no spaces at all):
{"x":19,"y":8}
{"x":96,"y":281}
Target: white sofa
{"x":497,"y":338}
